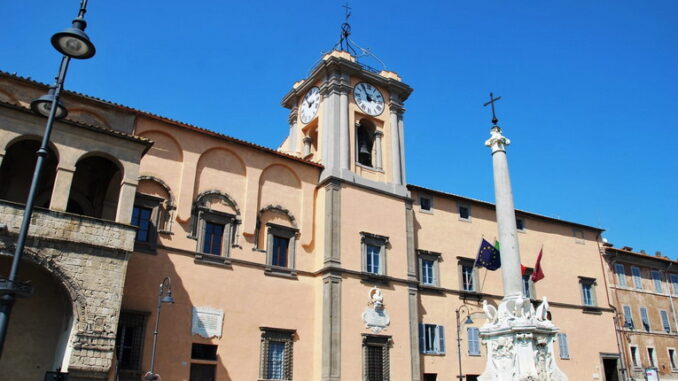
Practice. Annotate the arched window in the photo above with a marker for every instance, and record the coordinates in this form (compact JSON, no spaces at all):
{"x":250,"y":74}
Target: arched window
{"x":16,"y":173}
{"x":215,"y":219}
{"x":95,"y":188}
{"x":365,"y":142}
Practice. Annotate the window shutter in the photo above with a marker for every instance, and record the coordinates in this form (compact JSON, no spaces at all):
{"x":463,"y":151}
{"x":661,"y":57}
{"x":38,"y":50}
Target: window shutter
{"x":441,"y":339}
{"x":422,"y":338}
{"x":628,"y":318}
{"x":562,"y":345}
{"x":644,"y":318}
{"x":665,"y":321}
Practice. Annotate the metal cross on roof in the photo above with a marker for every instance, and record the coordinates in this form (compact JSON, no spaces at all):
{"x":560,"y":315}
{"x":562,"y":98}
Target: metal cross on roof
{"x":491,"y":102}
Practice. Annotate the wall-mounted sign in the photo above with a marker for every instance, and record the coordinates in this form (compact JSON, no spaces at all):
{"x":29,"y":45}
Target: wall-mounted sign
{"x":207,"y":322}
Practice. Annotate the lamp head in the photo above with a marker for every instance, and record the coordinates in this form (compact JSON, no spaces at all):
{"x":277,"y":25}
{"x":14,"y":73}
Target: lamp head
{"x":468,"y":320}
{"x":43,"y":105}
{"x":73,"y":41}
{"x":167,"y":298}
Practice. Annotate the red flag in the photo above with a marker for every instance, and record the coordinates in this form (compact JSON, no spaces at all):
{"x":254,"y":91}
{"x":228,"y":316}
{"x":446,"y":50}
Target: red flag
{"x":523,"y":269}
{"x":538,"y":272}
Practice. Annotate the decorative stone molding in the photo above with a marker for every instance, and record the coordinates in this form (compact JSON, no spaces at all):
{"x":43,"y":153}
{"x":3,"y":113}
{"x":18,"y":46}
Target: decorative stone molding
{"x":375,"y":317}
{"x":497,"y":141}
{"x":519,"y":342}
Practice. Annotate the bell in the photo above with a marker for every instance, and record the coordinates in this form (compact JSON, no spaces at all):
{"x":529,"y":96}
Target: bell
{"x":364,"y":150}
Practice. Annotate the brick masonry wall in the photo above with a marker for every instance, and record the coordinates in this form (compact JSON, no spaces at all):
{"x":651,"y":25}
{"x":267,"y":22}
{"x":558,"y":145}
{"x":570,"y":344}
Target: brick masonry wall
{"x":89,"y":257}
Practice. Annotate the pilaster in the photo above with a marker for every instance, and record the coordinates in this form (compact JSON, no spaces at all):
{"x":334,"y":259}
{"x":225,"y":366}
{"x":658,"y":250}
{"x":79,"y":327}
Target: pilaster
{"x":413,"y":307}
{"x":332,"y":248}
{"x":395,"y":117}
{"x":62,"y":188}
{"x":128,"y":191}
{"x":292,"y":141}
{"x":378,"y":135}
{"x":331,"y":340}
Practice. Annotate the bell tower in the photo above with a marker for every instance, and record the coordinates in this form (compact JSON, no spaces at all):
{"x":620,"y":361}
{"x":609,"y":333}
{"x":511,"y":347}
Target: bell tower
{"x":349,"y":117}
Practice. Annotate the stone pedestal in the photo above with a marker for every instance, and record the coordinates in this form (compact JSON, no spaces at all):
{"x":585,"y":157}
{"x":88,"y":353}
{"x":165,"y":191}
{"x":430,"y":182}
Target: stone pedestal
{"x":519,"y":341}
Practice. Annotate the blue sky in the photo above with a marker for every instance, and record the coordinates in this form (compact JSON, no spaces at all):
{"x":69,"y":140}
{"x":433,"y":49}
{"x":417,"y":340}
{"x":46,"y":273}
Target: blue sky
{"x":588,"y":87}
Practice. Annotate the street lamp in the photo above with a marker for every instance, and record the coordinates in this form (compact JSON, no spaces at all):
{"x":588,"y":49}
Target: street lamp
{"x":468,"y":320}
{"x":72,"y":43}
{"x":166,"y":289}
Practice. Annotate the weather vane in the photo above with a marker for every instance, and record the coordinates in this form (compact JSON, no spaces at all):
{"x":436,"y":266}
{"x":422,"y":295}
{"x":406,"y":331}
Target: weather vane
{"x":491,"y":102}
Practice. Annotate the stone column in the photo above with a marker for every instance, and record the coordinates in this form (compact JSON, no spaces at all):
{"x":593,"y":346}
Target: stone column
{"x":395,"y":109}
{"x":62,"y":188}
{"x":128,"y":190}
{"x":331,"y":340}
{"x":292,"y":143}
{"x":344,"y":150}
{"x":506,"y":216}
{"x":377,"y":145}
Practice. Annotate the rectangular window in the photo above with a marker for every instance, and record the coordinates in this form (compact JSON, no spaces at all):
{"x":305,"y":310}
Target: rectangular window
{"x":428,"y":267}
{"x":129,"y":341}
{"x":637,"y":280}
{"x":652,"y":357}
{"x":203,"y":372}
{"x":562,"y":345}
{"x":635,"y":356}
{"x":674,"y":282}
{"x":374,"y":253}
{"x":672,"y":359}
{"x":432,"y":339}
{"x":376,"y":360}
{"x":665,"y":321}
{"x":468,"y":277}
{"x":212,"y":238}
{"x":204,"y":352}
{"x":373,"y":259}
{"x":464,"y":212}
{"x":280,"y":249}
{"x":621,"y":274}
{"x":628,"y":318}
{"x":280,"y":245}
{"x":430,"y":377}
{"x":276,"y":354}
{"x":520,"y":224}
{"x":425,"y":203}
{"x":588,"y":291}
{"x":644,"y":319}
{"x":473,"y":341}
{"x":657,"y":279}
{"x":141,"y":218}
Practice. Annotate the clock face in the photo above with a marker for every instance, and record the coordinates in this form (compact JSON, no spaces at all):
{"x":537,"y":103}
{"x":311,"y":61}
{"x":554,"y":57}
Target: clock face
{"x":368,"y":98}
{"x":310,"y":104}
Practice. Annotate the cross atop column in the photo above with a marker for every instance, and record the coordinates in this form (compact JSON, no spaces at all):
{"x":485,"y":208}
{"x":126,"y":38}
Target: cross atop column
{"x":348,"y":10}
{"x":491,"y":102}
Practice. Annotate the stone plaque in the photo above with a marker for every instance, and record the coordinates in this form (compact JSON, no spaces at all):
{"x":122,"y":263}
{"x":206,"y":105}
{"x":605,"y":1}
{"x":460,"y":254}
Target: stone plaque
{"x":207,"y":322}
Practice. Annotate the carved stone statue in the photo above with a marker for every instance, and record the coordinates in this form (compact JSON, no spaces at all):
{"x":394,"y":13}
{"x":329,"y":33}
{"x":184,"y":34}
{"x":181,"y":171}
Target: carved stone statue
{"x":376,"y":319}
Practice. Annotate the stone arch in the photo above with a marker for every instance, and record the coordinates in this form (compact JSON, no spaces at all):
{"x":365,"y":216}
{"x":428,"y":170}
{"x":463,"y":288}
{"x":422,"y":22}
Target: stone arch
{"x":202,"y":198}
{"x":203,"y":202}
{"x":88,"y":117}
{"x":265,"y":215}
{"x":17,"y":167}
{"x":165,"y":210}
{"x":172,"y":201}
{"x":96,"y":186}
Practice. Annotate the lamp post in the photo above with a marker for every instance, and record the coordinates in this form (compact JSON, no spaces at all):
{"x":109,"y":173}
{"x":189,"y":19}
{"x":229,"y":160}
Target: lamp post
{"x":166,"y":289}
{"x":72,"y":43}
{"x":468,"y":320}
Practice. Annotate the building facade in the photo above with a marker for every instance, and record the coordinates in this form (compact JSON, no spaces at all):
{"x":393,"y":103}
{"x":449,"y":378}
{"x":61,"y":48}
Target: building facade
{"x":315,"y":261}
{"x":643,"y":288}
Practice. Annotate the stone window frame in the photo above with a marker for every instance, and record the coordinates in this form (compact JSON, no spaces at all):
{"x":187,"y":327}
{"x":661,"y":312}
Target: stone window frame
{"x":651,"y":357}
{"x":430,"y":203}
{"x":154,"y":203}
{"x":620,"y":277}
{"x":591,"y":282}
{"x":385,"y":343}
{"x":166,"y":213}
{"x":142,"y":316}
{"x":460,"y":205}
{"x":438,"y":339}
{"x":578,"y":235}
{"x":636,"y":361}
{"x":435,"y":258}
{"x":287,"y":337}
{"x":674,"y":283}
{"x":205,"y":215}
{"x":637,"y":280}
{"x":275,"y":230}
{"x":657,"y":282}
{"x":467,"y":262}
{"x":210,"y":362}
{"x":374,"y":240}
{"x":673,"y":358}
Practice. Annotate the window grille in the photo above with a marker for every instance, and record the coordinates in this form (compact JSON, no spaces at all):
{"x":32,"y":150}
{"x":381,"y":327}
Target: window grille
{"x":276,"y":354}
{"x":130,"y":339}
{"x":376,"y":362}
{"x":203,"y":372}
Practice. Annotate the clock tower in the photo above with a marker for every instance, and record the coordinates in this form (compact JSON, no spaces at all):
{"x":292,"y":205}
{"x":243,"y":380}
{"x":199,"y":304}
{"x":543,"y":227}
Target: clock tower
{"x":349,"y":117}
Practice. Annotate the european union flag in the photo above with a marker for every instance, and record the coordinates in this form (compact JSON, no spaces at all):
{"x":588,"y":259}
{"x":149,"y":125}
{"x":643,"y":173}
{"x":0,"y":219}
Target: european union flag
{"x":488,"y":256}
